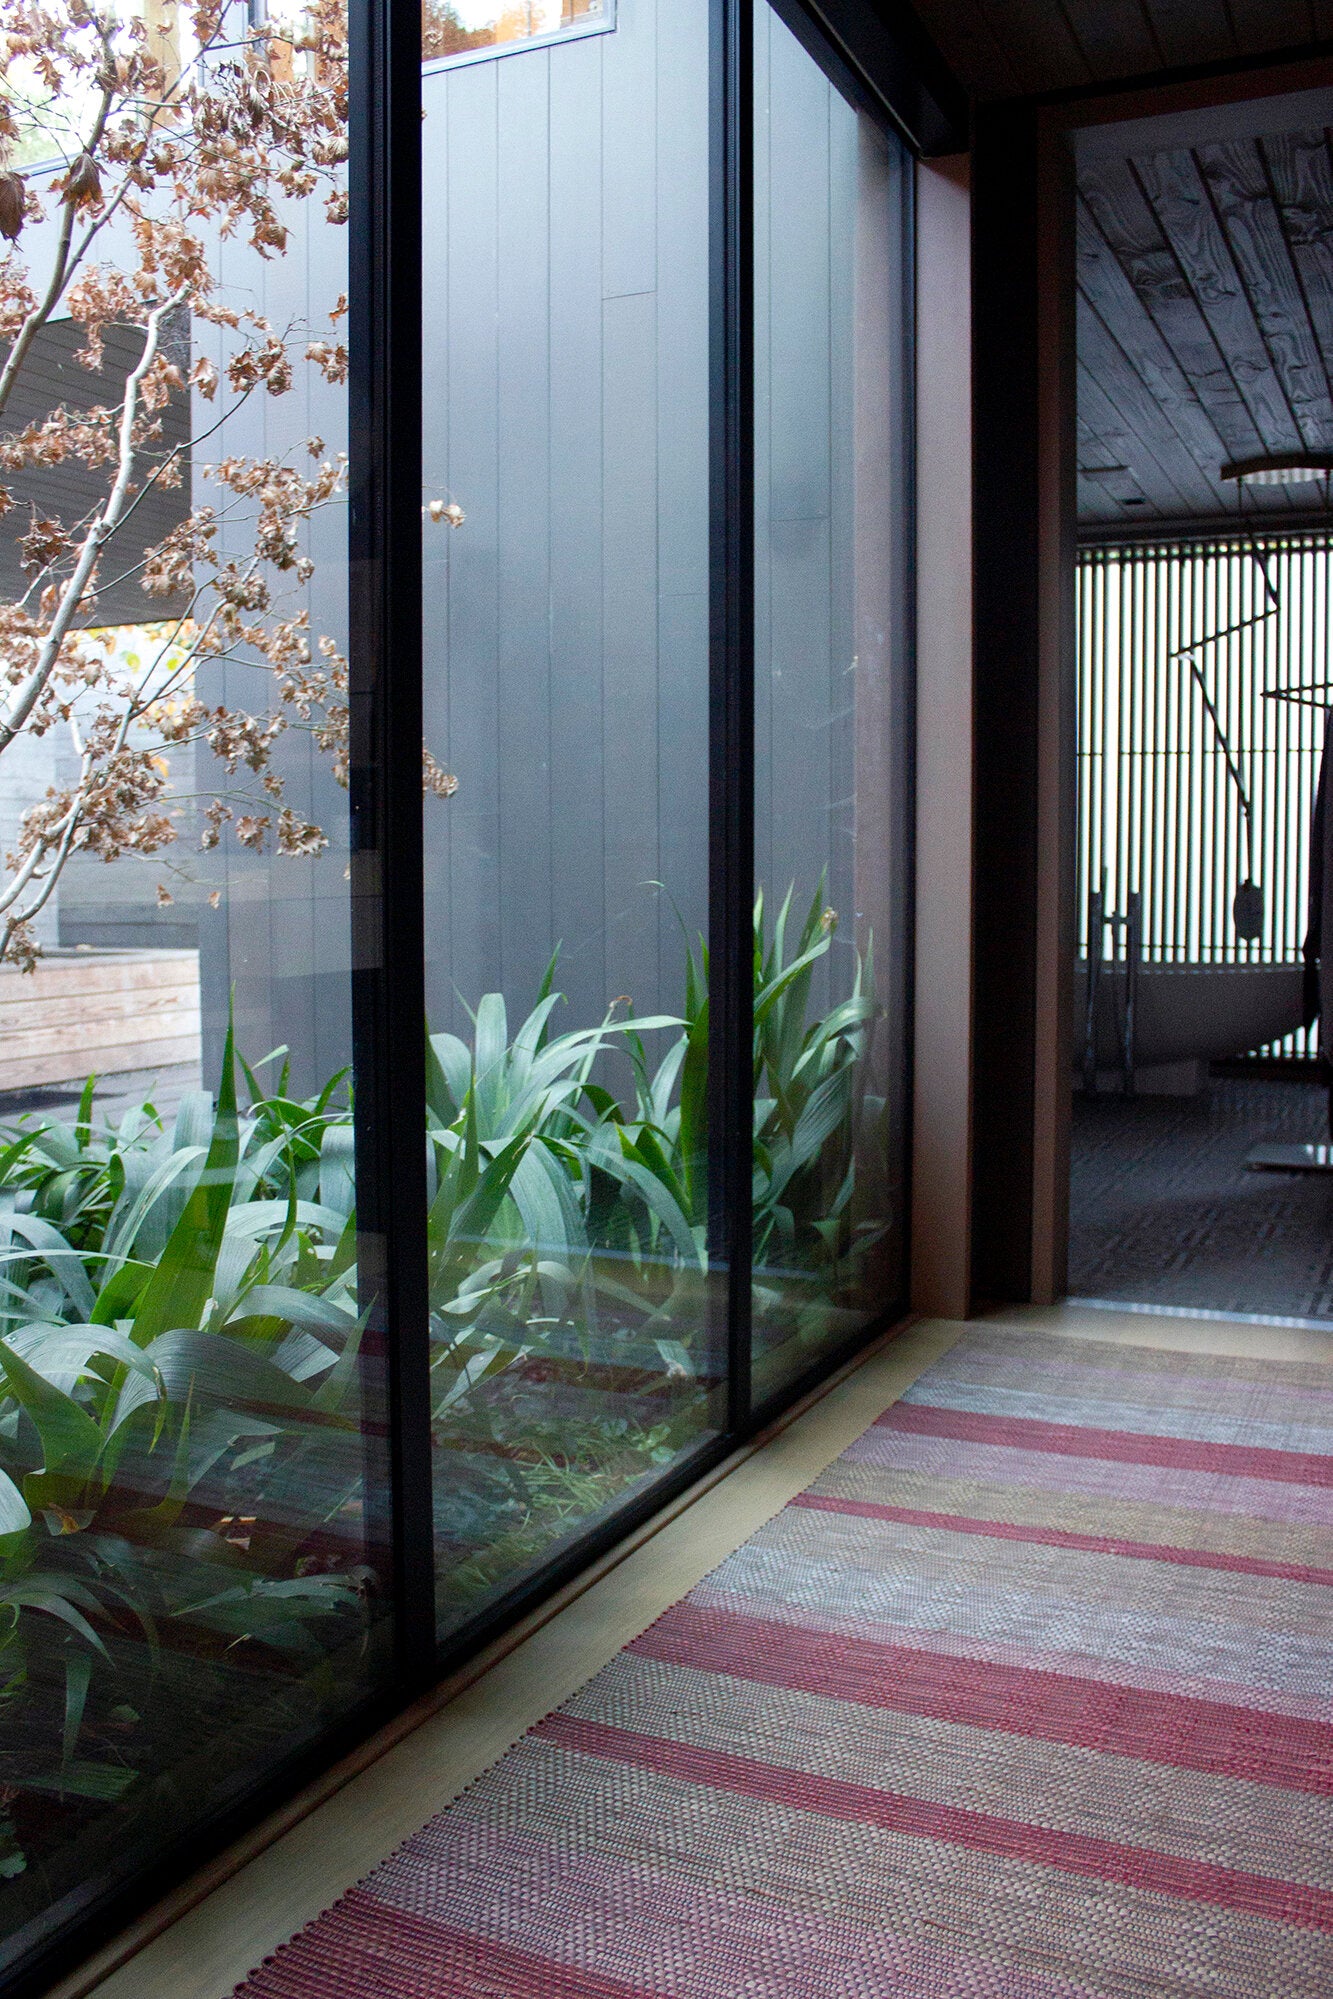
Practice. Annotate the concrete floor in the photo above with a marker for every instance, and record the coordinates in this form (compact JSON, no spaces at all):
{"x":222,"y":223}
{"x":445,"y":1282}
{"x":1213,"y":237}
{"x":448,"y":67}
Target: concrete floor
{"x":1164,"y":1211}
{"x":206,"y":1950}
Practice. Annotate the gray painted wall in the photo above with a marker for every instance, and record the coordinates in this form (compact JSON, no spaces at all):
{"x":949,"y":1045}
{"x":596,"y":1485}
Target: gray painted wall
{"x":566,"y":412}
{"x":566,"y":326}
{"x":278,"y":945}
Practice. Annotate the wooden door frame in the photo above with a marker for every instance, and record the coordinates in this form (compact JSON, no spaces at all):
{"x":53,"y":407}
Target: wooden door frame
{"x":1024,"y":536}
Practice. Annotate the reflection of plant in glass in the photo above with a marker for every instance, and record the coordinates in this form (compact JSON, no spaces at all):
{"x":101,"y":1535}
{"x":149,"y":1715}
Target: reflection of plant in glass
{"x":585,"y":1250}
{"x":152,"y":154}
{"x":179,"y":1470}
{"x":450,"y":27}
{"x":445,"y":33}
{"x":810,"y":1100}
{"x":180,"y":1460}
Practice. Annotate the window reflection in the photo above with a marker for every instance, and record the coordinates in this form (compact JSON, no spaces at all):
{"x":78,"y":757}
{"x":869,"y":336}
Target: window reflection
{"x":191,"y":1436}
{"x":830,"y":796}
{"x":457,"y":27}
{"x":566,"y":423}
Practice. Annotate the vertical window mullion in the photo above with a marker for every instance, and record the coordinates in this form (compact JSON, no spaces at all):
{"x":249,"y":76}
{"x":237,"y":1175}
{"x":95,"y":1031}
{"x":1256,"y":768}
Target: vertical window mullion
{"x":385,"y":613}
{"x":731,"y":677}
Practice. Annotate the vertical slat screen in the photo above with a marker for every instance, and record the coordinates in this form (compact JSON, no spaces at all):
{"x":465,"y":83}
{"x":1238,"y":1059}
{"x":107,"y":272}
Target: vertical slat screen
{"x":1159,"y":805}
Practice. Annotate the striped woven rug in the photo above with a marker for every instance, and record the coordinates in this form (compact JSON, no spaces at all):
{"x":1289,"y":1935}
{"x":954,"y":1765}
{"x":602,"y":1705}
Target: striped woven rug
{"x":1029,"y":1696}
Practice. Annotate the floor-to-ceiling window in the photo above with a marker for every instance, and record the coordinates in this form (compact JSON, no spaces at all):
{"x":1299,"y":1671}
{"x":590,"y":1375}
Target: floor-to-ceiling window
{"x":831,"y":532}
{"x":566,"y":672}
{"x":192,"y":1587}
{"x":352,"y":1294}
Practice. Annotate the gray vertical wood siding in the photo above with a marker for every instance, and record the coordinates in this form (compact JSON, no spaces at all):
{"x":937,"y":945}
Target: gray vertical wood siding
{"x":566,"y":411}
{"x":566,"y":642}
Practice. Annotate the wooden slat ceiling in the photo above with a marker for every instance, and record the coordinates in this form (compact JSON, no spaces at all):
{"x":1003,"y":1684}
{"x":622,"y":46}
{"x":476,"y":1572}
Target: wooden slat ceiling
{"x":1205,"y":323}
{"x":1005,"y":48}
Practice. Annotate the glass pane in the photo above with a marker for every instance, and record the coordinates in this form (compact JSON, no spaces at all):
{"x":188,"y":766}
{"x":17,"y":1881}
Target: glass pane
{"x":565,"y":518}
{"x":462,"y":27}
{"x":830,"y":712}
{"x":188,"y":1445}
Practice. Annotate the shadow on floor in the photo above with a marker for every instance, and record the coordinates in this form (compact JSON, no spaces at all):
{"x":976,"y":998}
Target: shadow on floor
{"x":1164,"y":1211}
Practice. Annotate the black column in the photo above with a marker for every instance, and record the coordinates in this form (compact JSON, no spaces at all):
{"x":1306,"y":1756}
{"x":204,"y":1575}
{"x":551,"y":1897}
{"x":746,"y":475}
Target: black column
{"x":1005,"y":305}
{"x":388,"y":977}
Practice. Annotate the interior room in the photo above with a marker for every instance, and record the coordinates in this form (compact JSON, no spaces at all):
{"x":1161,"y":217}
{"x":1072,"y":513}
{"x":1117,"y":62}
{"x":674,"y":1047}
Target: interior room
{"x":1200,"y":1123}
{"x":666,"y":1181}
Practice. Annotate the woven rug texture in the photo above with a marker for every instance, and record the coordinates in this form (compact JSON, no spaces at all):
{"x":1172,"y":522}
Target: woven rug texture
{"x":1029,"y":1696}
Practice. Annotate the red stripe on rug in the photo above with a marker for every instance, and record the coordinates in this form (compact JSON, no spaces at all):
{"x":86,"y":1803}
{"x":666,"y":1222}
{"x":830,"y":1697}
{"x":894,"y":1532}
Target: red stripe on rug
{"x":894,"y":1811}
{"x":1174,"y":1730}
{"x":1067,"y":1537}
{"x":366,"y":1949}
{"x":1131,"y":1447}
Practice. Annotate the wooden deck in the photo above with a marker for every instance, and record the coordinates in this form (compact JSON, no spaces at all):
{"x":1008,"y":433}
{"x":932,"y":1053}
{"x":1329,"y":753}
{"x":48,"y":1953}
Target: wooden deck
{"x":90,"y":1012}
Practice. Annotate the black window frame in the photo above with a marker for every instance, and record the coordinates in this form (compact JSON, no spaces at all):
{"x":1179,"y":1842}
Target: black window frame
{"x":889,"y":70}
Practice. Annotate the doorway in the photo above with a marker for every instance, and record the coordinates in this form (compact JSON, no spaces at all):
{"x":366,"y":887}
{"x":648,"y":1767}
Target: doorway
{"x":1203,"y":579}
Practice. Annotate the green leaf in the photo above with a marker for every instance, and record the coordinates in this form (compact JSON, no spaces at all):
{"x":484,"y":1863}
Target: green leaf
{"x":210,"y":1367}
{"x":472,"y":1217}
{"x":337,"y":1168}
{"x":822,"y":1116}
{"x":693,"y":1135}
{"x":13,"y":1153}
{"x":15,"y":1517}
{"x":491,"y":1039}
{"x":120,"y":1293}
{"x":454,"y":1065}
{"x":71,"y":1441}
{"x":63,"y":1355}
{"x":547,"y":1220}
{"x":333,"y":1322}
{"x":147,"y":1522}
{"x":57,"y":1597}
{"x":78,"y":1673}
{"x":153,"y":1200}
{"x":655,"y":1196}
{"x":83,"y":1123}
{"x":180,"y":1287}
{"x":103,"y":1781}
{"x":64,"y":1263}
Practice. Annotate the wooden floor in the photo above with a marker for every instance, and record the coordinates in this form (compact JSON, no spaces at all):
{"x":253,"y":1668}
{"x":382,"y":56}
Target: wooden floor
{"x":206,"y":1951}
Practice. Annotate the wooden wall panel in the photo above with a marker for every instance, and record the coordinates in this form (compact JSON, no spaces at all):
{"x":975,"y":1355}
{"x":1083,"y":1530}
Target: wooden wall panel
{"x":1238,"y":185}
{"x":682,"y":531}
{"x":463,"y":648}
{"x":1192,"y":31}
{"x":632,"y":801}
{"x":1261,"y":25}
{"x":942,"y":1041}
{"x":1172,"y":182}
{"x":1301,"y":176}
{"x":566,"y":622}
{"x":523,"y":496}
{"x":1209,"y":270}
{"x":1108,"y":294}
{"x":1116,"y":36}
{"x":576,"y":451}
{"x":799,"y":405}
